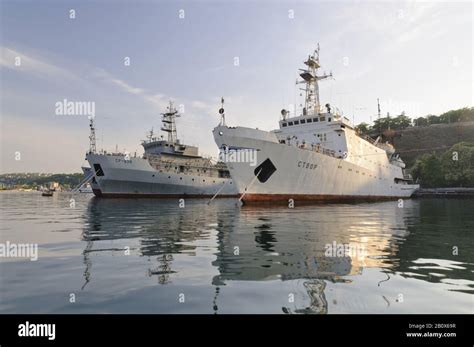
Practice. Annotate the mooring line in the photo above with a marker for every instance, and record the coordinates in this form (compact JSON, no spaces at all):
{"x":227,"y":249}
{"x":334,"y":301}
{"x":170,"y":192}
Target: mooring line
{"x":251,"y":183}
{"x":216,"y":193}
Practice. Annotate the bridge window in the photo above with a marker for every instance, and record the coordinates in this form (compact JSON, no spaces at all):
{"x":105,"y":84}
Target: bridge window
{"x":322,"y":119}
{"x":297,"y":122}
{"x":315,"y":120}
{"x":283,"y":125}
{"x":329,"y":119}
{"x":290,"y":123}
{"x":303,"y":121}
{"x":309,"y":120}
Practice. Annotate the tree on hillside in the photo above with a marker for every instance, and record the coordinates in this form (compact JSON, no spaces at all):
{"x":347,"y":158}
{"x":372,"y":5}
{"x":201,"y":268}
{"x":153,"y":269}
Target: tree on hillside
{"x":363,"y":128}
{"x":400,"y":122}
{"x":381,"y":124}
{"x":427,"y":171}
{"x":454,"y":168}
{"x":420,"y":122}
{"x":458,"y":165}
{"x":433,"y":119}
{"x":462,"y":115}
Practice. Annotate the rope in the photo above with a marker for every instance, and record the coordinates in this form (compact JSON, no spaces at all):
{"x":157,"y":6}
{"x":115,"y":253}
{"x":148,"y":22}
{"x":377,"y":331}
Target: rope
{"x":246,"y":188}
{"x":86,"y":180}
{"x":216,"y":194}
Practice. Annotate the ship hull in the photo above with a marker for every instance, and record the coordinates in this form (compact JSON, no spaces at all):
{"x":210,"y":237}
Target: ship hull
{"x":313,"y":198}
{"x":135,"y":177}
{"x":304,"y":175}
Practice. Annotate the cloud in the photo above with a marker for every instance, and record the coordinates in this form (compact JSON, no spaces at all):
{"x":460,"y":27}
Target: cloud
{"x":38,"y":66}
{"x":125,"y":86}
{"x":107,"y":77}
{"x":156,"y":99}
{"x":9,"y":59}
{"x":159,"y":100}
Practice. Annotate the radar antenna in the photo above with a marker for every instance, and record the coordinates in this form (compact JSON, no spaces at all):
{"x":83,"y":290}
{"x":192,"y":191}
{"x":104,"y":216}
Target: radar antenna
{"x":222,"y":112}
{"x":310,"y":79}
{"x":169,"y":122}
{"x":378,"y":117}
{"x":92,"y":140}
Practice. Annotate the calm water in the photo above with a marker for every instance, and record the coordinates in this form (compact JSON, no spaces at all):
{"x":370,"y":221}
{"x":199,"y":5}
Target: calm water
{"x":225,"y":259}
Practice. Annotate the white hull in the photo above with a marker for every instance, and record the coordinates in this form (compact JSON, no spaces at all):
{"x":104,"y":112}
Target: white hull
{"x":303,"y":174}
{"x":136,"y":178}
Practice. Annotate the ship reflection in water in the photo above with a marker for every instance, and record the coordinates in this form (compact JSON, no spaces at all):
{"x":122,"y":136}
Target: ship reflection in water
{"x":151,"y":256}
{"x":358,"y":258}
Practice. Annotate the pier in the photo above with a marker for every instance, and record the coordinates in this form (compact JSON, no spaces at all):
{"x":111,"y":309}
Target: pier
{"x":444,"y":193}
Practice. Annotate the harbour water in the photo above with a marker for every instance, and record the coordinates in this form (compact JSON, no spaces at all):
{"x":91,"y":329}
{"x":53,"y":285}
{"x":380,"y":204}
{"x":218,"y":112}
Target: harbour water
{"x":153,"y":256}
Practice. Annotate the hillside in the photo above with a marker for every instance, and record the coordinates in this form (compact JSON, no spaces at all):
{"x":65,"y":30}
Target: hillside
{"x":415,"y":141}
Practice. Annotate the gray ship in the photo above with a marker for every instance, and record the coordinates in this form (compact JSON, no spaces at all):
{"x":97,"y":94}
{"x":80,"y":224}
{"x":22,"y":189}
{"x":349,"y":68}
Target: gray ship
{"x":167,"y":168}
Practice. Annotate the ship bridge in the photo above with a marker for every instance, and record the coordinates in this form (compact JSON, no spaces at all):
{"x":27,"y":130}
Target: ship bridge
{"x":323,"y":132}
{"x":158,"y":147}
{"x":172,"y":145}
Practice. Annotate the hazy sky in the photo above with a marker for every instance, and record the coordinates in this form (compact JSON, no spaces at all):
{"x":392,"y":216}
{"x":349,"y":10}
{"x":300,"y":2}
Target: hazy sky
{"x":415,"y":56}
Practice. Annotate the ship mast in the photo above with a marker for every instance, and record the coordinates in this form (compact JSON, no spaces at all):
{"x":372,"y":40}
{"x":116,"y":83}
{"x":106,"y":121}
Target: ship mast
{"x":222,"y":112}
{"x":150,"y":135}
{"x":310,"y":79}
{"x":378,"y":117}
{"x":92,"y":140}
{"x":169,"y":124}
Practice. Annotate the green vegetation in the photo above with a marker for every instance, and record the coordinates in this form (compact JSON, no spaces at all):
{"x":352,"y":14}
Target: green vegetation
{"x":36,"y":180}
{"x":402,"y":121}
{"x":454,"y":168}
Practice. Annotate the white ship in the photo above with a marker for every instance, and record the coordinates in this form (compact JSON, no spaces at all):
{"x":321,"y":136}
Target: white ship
{"x":314,"y":156}
{"x":168,"y":168}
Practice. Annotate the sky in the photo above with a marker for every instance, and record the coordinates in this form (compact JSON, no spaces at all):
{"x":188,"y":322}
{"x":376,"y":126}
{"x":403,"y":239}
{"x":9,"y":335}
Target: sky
{"x":415,"y":57}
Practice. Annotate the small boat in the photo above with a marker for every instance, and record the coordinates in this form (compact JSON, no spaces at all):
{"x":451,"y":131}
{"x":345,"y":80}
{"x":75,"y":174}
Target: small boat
{"x":47,"y":193}
{"x":86,"y":189}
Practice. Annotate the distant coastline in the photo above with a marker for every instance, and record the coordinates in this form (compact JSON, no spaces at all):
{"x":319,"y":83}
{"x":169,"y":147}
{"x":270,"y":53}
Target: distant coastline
{"x":39,"y":181}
